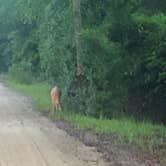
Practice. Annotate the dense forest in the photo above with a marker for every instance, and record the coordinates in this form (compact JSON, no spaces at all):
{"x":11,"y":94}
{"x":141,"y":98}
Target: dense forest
{"x":107,"y":56}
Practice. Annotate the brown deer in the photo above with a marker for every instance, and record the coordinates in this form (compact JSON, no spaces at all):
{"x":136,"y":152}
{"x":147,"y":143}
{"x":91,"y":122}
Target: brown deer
{"x":56,"y":99}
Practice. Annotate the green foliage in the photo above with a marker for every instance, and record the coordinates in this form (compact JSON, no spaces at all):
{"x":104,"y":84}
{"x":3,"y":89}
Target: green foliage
{"x":56,"y":43}
{"x":21,"y":73}
{"x":123,"y":44}
{"x":125,"y":59}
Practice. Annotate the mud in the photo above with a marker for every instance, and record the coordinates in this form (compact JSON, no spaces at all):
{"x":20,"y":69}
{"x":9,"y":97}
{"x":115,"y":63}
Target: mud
{"x":115,"y":153}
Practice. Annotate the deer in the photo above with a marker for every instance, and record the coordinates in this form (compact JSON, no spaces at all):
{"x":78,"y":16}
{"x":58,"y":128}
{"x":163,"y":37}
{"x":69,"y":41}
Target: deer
{"x":56,"y":99}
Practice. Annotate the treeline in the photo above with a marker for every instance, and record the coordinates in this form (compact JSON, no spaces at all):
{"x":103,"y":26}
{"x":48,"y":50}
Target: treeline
{"x":108,"y":56}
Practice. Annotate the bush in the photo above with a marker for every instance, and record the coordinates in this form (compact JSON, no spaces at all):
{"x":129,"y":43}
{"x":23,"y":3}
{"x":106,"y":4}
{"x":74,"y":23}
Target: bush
{"x":21,"y":73}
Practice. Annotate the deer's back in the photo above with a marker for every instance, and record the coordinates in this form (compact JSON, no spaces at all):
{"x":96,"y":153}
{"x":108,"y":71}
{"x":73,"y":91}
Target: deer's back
{"x":56,"y":94}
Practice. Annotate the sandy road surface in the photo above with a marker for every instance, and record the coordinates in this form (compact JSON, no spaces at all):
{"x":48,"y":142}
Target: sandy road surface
{"x":28,"y":139}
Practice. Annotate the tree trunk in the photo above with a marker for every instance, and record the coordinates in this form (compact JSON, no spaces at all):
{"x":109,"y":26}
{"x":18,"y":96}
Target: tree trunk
{"x":78,"y":28}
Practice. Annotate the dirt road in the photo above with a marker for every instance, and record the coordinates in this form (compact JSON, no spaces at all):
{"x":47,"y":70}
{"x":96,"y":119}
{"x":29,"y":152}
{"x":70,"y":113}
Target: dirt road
{"x":28,"y":139}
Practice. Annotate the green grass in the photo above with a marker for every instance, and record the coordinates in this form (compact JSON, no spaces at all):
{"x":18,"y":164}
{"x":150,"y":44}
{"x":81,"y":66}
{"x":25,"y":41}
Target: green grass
{"x":40,"y":93}
{"x":144,"y":134}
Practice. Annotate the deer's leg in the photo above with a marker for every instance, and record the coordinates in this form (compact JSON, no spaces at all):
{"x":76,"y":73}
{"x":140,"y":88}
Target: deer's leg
{"x":52,"y":110}
{"x":56,"y":107}
{"x":60,"y":107}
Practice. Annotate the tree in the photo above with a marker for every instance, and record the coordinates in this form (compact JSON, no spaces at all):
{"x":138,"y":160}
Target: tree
{"x":78,"y":28}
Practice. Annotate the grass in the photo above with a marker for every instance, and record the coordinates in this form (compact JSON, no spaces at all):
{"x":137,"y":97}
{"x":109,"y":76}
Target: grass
{"x":144,"y":134}
{"x":39,"y":92}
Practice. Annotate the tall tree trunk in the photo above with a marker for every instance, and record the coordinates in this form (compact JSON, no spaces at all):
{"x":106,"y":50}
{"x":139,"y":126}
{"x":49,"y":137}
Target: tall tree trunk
{"x":78,"y":28}
{"x":78,"y":87}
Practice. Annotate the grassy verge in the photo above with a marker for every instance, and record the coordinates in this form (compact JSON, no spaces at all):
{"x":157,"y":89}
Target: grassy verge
{"x":144,"y":134}
{"x":39,"y":92}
